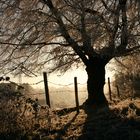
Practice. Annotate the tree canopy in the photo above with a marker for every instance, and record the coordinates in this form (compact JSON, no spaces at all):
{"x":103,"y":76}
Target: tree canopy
{"x":61,"y":33}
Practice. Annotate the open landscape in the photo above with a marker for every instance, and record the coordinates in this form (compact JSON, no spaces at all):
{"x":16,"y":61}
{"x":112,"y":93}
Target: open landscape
{"x":93,"y":45}
{"x":24,"y":117}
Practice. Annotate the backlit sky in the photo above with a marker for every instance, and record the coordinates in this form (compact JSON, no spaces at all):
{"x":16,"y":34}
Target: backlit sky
{"x":61,"y":79}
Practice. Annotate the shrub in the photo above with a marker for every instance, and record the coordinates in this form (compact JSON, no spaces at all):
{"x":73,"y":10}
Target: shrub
{"x":21,"y":116}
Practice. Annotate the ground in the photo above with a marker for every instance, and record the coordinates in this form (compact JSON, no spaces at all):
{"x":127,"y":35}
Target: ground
{"x":118,"y":122}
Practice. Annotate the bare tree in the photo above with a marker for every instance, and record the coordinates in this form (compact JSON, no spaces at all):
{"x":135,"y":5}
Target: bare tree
{"x":65,"y":33}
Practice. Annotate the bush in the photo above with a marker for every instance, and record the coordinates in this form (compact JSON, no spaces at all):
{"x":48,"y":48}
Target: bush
{"x":128,"y":85}
{"x":21,"y":116}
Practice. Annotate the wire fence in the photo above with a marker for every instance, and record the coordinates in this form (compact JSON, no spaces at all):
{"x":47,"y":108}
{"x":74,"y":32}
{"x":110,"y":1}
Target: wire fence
{"x":53,"y":83}
{"x":61,"y":95}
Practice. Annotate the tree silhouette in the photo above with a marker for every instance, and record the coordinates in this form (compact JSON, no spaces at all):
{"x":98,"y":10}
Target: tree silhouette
{"x":64,"y":33}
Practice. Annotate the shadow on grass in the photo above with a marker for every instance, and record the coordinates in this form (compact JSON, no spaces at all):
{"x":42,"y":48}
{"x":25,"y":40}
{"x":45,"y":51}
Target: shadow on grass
{"x":63,"y":130}
{"x":106,"y":124}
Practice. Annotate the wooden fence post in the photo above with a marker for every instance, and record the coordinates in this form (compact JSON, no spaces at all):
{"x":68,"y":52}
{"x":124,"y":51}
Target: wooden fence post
{"x":118,"y":92}
{"x":76,"y":94}
{"x":46,"y":89}
{"x":109,"y":87}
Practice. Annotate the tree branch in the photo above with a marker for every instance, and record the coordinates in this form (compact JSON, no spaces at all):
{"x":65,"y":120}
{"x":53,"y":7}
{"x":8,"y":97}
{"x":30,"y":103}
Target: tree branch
{"x":128,"y":51}
{"x":34,"y":44}
{"x":124,"y":32}
{"x":109,"y":9}
{"x":85,"y":37}
{"x":64,"y":31}
{"x":93,"y":12}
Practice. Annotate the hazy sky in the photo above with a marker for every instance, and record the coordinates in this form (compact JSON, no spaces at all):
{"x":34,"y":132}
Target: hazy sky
{"x":62,"y":79}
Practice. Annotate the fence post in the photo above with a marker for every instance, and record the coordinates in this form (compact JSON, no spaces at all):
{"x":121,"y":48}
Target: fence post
{"x":76,"y":94}
{"x":118,"y":92}
{"x":46,"y":89}
{"x":109,"y":87}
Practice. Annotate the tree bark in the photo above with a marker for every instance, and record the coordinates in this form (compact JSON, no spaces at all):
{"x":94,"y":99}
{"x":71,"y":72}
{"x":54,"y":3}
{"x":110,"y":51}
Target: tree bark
{"x":96,"y":80}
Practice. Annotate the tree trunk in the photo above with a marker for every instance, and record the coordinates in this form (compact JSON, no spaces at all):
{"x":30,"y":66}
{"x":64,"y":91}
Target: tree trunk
{"x":96,"y":80}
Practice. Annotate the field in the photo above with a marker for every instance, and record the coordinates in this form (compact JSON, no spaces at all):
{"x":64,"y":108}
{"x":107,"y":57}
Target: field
{"x":23,"y":118}
{"x":118,"y":122}
{"x":63,"y":96}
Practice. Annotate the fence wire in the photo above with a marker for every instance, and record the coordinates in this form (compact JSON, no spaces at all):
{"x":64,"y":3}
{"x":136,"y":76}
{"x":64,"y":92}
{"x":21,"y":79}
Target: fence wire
{"x":53,"y":83}
{"x":61,"y":95}
{"x":57,"y":90}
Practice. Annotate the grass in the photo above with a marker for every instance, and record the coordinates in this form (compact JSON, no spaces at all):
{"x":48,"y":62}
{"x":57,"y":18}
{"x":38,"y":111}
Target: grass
{"x":21,"y":118}
{"x":118,"y":122}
